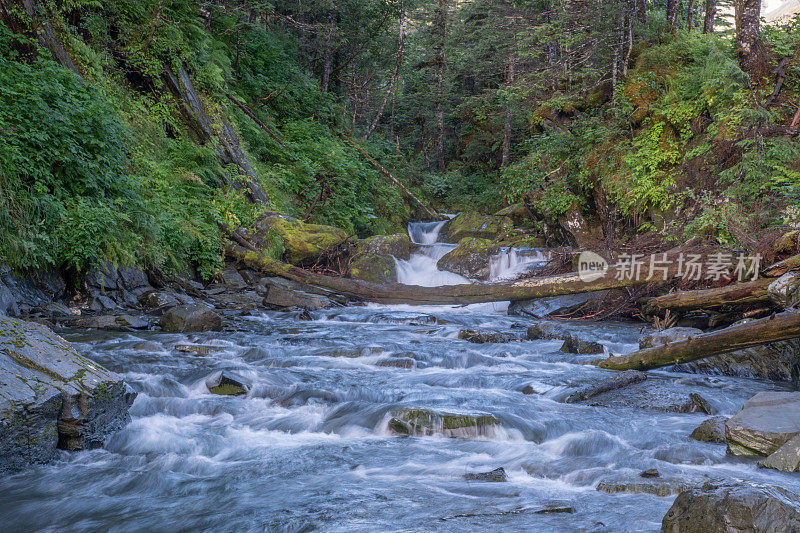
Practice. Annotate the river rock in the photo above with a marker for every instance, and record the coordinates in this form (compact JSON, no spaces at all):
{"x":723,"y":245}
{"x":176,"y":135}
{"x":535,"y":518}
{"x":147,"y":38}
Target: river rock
{"x":564,"y":305}
{"x":155,"y":301}
{"x":545,"y":331}
{"x":278,"y":297}
{"x":75,"y":403}
{"x":303,"y":244}
{"x":54,"y":310}
{"x":710,"y":430}
{"x":397,"y":362}
{"x":614,"y":382}
{"x":110,"y":322}
{"x":226,"y":384}
{"x":766,"y":422}
{"x":657,"y":486}
{"x":186,"y":318}
{"x":518,"y":214}
{"x":785,"y":458}
{"x":423,"y":423}
{"x":374,"y":268}
{"x":20,"y":294}
{"x":784,"y":292}
{"x":727,"y":507}
{"x":482,"y":337}
{"x":775,"y":361}
{"x":473,"y":224}
{"x":471,"y":258}
{"x":654,"y":394}
{"x":575,"y":345}
{"x":409,"y":318}
{"x":498,"y":475}
{"x":666,"y":336}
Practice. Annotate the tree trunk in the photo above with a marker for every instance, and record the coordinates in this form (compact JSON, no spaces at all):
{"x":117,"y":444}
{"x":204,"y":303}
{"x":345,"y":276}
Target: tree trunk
{"x":711,"y":14}
{"x":396,"y":293}
{"x":672,"y":15}
{"x":690,"y":15}
{"x":736,"y":294}
{"x":327,"y":57}
{"x":395,"y":73}
{"x":504,"y":160}
{"x":37,"y":23}
{"x":641,"y":11}
{"x":441,"y":33}
{"x":778,"y":327}
{"x":748,"y":16}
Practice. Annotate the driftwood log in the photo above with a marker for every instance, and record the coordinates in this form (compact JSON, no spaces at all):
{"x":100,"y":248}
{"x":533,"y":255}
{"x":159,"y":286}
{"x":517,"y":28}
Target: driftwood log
{"x":777,"y":327}
{"x":750,"y":292}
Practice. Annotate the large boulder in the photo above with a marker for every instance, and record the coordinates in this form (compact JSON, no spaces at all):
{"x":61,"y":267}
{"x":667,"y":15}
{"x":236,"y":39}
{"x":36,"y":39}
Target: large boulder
{"x":374,"y":258}
{"x":110,"y":287}
{"x":583,"y":234}
{"x":711,"y":430}
{"x":191,"y":317}
{"x":728,"y":507}
{"x":766,"y":422}
{"x":776,"y":361}
{"x":473,"y":224}
{"x":471,"y":258}
{"x":786,"y":458}
{"x":20,"y":294}
{"x":302,"y":243}
{"x":51,"y":397}
{"x":280,"y":297}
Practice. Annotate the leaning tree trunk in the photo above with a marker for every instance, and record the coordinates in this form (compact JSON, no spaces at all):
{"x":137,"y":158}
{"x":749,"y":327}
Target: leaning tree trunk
{"x":396,"y":293}
{"x":778,"y":327}
{"x":33,"y":19}
{"x":395,"y":73}
{"x":748,"y":17}
{"x":711,"y":14}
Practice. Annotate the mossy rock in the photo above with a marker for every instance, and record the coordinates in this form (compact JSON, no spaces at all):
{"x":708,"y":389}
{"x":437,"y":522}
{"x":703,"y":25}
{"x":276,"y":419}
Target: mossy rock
{"x":421,"y":422}
{"x":788,"y":243}
{"x":302,"y":243}
{"x":518,"y":214}
{"x":470,"y":258}
{"x":397,"y":245}
{"x":523,"y":239}
{"x":474,"y":224}
{"x":374,"y":268}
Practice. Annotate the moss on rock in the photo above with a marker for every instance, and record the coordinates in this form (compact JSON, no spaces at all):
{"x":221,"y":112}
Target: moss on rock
{"x":470,"y":258}
{"x":474,"y":224}
{"x":302,"y":243}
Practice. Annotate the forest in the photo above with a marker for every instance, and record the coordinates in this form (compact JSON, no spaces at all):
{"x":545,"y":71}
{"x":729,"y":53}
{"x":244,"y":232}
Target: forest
{"x":400,"y":265}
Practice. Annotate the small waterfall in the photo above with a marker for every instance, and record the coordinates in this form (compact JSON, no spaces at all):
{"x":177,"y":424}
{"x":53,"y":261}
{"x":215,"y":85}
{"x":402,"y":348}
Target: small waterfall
{"x":511,"y":263}
{"x":420,"y":269}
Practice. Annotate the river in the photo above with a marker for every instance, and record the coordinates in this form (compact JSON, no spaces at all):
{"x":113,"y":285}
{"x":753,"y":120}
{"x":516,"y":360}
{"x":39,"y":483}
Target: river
{"x":309,"y":449}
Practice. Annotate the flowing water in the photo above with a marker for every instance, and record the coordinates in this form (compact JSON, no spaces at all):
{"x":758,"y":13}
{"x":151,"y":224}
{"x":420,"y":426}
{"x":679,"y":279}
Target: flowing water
{"x":309,"y":449}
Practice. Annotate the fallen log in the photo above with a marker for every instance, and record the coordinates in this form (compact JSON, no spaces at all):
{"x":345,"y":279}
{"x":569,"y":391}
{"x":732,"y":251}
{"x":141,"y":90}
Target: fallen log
{"x":397,"y":293}
{"x":749,"y":292}
{"x":782,"y":267}
{"x":777,"y":327}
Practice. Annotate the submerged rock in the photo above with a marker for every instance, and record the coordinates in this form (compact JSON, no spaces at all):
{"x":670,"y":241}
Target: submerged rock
{"x":397,"y":362}
{"x":423,"y":423}
{"x":473,"y":224}
{"x":198,"y":349}
{"x":110,"y":322}
{"x":471,"y":258}
{"x":711,"y":430}
{"x":656,"y":395}
{"x":498,"y":475}
{"x":643,"y":485}
{"x":185,"y":318}
{"x":51,"y":397}
{"x":614,"y":382}
{"x":482,"y":337}
{"x":726,"y":507}
{"x":766,"y":422}
{"x":407,"y":318}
